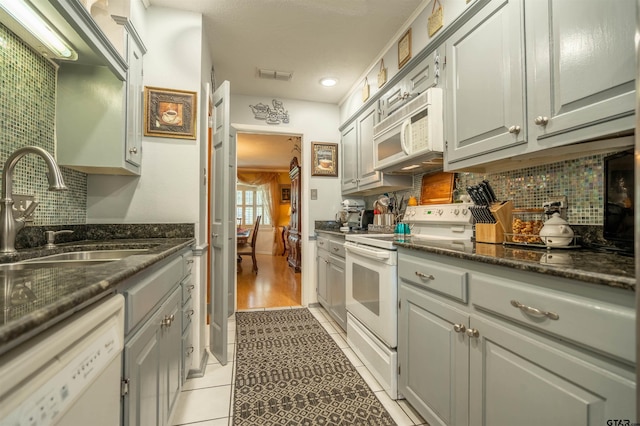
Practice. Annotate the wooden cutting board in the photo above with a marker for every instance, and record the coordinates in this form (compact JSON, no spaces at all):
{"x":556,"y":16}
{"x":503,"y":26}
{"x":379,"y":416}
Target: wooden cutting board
{"x":437,"y":188}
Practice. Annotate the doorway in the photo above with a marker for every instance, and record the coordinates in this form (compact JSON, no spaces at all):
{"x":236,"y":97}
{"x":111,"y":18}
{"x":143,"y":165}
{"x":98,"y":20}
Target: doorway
{"x":262,"y":157}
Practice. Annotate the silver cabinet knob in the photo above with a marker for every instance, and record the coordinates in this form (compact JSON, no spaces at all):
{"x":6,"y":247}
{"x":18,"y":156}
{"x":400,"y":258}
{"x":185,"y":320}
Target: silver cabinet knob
{"x":133,"y":150}
{"x":541,"y":121}
{"x":214,"y":235}
{"x":459,"y":328}
{"x":472,"y":332}
{"x":514,"y":129}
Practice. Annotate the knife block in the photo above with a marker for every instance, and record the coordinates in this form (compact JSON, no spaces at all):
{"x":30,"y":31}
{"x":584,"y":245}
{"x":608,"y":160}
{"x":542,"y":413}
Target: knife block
{"x":494,"y":233}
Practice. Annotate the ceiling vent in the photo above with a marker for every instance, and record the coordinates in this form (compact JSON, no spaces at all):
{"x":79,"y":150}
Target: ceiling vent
{"x":274,"y":75}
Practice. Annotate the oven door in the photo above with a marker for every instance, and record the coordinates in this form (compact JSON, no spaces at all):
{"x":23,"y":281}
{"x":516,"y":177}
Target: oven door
{"x":372,"y":289}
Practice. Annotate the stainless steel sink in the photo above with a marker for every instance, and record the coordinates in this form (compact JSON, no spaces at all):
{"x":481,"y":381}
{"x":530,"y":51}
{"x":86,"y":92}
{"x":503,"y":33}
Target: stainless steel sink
{"x":86,"y":256}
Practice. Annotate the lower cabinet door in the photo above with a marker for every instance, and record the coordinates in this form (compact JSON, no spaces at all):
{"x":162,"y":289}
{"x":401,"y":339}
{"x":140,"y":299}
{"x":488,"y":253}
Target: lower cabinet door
{"x":171,"y":356}
{"x":141,"y":368}
{"x":433,"y":353}
{"x":518,"y":379}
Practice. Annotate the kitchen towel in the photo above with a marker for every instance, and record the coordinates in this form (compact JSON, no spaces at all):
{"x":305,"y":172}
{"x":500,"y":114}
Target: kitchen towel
{"x":290,"y":371}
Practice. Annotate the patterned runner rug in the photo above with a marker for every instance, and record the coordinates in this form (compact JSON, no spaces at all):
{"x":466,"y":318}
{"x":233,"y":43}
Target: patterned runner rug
{"x":289,"y":371}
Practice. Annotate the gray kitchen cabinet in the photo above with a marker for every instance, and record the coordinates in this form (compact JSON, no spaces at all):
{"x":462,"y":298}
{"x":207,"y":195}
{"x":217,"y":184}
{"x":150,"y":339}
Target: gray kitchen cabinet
{"x":522,"y":349}
{"x":188,"y":314}
{"x":433,"y":357}
{"x":581,"y":68}
{"x":524,"y":77}
{"x":485,"y":96}
{"x":152,"y":367}
{"x":153,"y":356}
{"x":520,"y":378}
{"x":322,"y":268}
{"x":358,"y":174}
{"x":330,"y":276}
{"x":99,"y":117}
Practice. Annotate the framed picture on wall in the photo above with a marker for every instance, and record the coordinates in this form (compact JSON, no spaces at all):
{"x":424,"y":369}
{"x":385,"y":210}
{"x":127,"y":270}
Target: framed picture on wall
{"x":324,"y":159}
{"x":285,"y":194}
{"x":169,"y":113}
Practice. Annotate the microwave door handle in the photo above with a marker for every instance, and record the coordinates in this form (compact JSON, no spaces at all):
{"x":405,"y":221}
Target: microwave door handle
{"x":403,"y":140}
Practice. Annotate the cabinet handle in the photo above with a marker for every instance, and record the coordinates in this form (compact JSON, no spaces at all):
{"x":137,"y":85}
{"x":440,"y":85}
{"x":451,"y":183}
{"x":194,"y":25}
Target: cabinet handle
{"x":514,"y":129}
{"x":459,"y":328}
{"x":473,"y":332}
{"x":191,"y":287}
{"x":191,"y":312}
{"x":189,"y":350}
{"x":541,"y":121}
{"x":133,"y":150}
{"x":189,"y":261}
{"x":425,"y":276}
{"x":336,"y":249}
{"x":534,"y":311}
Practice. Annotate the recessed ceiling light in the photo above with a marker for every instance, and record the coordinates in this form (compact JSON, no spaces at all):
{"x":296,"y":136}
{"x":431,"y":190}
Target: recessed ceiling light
{"x":329,"y":81}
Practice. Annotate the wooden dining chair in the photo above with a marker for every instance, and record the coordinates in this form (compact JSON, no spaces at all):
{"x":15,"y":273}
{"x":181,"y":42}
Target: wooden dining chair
{"x":250,"y":247}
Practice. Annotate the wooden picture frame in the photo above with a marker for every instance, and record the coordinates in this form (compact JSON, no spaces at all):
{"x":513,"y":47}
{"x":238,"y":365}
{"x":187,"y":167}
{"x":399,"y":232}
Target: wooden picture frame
{"x":404,"y":49}
{"x":324,"y":159}
{"x":285,"y":194}
{"x":170,"y":113}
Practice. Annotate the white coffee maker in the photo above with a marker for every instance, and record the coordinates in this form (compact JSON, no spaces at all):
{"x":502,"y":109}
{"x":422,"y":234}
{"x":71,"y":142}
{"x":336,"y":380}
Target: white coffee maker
{"x":350,"y":213}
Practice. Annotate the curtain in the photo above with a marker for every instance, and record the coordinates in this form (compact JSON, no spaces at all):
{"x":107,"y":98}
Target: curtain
{"x":268,"y":182}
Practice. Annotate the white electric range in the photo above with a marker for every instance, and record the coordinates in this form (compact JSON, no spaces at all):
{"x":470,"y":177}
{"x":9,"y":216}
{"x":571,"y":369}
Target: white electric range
{"x":372,"y":283}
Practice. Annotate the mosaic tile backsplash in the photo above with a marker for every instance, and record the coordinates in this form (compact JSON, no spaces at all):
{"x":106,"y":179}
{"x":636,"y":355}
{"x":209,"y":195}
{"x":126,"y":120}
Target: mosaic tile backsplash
{"x":580,"y":180}
{"x":27,"y":117}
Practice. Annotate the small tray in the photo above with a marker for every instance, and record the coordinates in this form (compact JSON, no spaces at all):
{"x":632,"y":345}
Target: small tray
{"x":508,"y":240}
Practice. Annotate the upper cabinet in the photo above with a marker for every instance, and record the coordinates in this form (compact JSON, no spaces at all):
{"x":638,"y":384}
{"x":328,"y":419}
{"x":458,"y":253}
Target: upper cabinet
{"x":99,"y":117}
{"x":522,"y":78}
{"x":485,"y":94}
{"x":581,"y":68}
{"x":358,"y":175}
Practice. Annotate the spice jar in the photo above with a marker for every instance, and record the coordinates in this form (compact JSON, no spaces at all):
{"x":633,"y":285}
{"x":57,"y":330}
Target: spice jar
{"x":526,"y":225}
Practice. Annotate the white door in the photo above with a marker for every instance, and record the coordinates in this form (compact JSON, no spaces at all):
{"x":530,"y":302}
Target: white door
{"x":222,"y":222}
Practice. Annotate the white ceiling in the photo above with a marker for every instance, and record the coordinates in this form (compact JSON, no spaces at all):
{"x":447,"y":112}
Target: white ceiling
{"x":311,"y":38}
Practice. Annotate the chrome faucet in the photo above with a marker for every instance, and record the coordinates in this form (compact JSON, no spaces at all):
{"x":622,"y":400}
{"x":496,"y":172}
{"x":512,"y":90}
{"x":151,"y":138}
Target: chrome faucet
{"x":51,"y":237}
{"x":9,"y":226}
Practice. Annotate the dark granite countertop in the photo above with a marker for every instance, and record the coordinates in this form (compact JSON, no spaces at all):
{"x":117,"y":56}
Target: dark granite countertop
{"x":583,"y":264}
{"x":35,"y":299}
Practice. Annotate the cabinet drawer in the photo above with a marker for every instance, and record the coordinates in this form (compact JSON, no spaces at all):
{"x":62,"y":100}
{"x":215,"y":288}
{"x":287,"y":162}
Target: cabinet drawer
{"x":187,"y":289}
{"x":187,"y":314}
{"x":187,"y":260}
{"x":322,"y":243}
{"x":443,"y":279}
{"x":336,"y":248}
{"x":601,"y":325}
{"x":142,"y":297}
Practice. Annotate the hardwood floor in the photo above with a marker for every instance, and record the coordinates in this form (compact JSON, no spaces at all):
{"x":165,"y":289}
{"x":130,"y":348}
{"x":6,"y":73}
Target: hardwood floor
{"x":276,"y":285}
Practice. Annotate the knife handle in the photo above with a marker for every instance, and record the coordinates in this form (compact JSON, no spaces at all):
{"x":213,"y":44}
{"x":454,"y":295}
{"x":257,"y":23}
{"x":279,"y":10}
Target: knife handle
{"x":490,"y":191}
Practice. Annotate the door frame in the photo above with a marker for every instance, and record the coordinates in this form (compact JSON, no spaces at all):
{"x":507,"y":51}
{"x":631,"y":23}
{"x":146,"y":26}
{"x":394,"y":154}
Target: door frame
{"x":304,"y":154}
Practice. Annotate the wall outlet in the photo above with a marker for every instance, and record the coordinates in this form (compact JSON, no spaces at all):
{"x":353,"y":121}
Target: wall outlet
{"x":20,"y":204}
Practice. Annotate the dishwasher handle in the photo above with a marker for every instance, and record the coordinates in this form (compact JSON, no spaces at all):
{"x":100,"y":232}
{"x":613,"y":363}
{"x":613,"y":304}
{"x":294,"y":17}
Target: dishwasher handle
{"x":368,"y":252}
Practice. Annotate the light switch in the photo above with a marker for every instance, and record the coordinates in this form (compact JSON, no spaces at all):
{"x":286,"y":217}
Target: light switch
{"x":314,"y":194}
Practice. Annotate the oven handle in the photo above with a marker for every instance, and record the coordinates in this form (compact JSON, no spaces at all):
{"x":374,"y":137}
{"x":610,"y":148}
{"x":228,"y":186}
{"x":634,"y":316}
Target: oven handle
{"x":372,"y":254}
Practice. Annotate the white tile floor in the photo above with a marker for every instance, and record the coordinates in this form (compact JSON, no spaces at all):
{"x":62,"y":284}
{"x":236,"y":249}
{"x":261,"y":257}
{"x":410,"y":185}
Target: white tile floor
{"x":207,"y":401}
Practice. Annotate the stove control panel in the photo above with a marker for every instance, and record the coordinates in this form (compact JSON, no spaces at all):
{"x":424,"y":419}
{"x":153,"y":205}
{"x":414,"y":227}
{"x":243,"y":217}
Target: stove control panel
{"x":439,"y":213}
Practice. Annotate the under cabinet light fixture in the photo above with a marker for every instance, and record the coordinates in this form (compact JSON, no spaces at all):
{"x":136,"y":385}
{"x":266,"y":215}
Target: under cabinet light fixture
{"x":28,"y":18}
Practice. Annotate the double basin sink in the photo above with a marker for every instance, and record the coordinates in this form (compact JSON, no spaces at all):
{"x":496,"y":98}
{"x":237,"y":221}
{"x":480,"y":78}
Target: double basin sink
{"x":73,"y":259}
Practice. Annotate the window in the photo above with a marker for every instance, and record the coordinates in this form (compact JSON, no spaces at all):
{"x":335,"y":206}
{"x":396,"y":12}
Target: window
{"x":249,"y":205}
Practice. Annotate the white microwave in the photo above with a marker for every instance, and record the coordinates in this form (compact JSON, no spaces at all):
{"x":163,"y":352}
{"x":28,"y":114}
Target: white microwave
{"x":411,"y":138}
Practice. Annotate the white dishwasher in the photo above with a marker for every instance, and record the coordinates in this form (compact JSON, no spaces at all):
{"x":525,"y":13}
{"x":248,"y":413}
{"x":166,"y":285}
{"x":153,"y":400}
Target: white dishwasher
{"x":68,"y":375}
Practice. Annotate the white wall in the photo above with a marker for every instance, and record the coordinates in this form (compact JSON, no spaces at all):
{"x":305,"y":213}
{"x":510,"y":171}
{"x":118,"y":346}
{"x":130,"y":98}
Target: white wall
{"x":315,"y":122}
{"x":168,"y":189}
